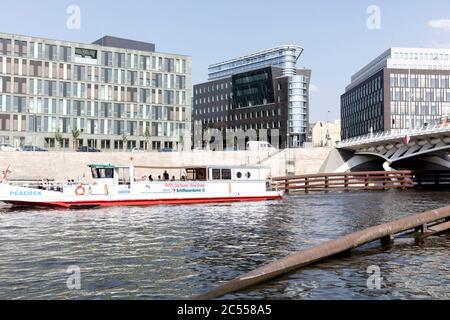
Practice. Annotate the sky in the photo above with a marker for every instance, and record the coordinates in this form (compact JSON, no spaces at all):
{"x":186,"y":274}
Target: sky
{"x":339,"y":37}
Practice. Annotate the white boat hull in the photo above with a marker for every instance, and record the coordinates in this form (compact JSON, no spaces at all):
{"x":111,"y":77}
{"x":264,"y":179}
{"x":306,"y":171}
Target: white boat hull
{"x":137,"y":194}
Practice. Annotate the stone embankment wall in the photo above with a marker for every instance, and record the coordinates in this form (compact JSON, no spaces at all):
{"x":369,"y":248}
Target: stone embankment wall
{"x":71,"y":165}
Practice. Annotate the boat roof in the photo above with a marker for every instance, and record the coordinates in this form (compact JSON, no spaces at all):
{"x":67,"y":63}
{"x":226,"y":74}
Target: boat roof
{"x":112,"y":166}
{"x":106,"y":166}
{"x":202,"y":167}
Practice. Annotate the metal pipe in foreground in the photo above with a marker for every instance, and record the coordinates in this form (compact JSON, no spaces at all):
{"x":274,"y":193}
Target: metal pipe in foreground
{"x":326,"y":250}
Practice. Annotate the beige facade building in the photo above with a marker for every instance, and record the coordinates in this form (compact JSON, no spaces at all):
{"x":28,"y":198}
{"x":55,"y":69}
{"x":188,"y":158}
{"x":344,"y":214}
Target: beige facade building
{"x":326,"y":134}
{"x":118,"y":93}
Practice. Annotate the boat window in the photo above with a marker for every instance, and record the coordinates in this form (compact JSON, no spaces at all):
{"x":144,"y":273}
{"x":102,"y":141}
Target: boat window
{"x":94,"y":173}
{"x":109,"y":173}
{"x":248,"y":175}
{"x":239,"y":175}
{"x":226,"y":174}
{"x":102,"y":173}
{"x":196,"y":174}
{"x":216,"y":174}
{"x":201,"y":174}
{"x":124,"y":176}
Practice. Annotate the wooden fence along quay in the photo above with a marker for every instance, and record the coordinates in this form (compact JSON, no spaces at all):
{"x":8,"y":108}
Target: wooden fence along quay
{"x":353,"y":181}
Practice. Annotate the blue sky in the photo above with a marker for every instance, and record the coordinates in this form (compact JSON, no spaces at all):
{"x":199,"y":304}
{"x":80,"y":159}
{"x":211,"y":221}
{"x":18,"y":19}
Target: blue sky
{"x":334,"y":34}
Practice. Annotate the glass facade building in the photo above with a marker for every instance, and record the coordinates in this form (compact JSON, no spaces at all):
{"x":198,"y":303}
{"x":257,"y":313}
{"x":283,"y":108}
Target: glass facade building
{"x":418,"y":97}
{"x":298,"y":106}
{"x":118,"y":93}
{"x":362,"y":108}
{"x":404,"y":88}
{"x":251,"y":94}
{"x":253,"y":88}
{"x":284,"y":57}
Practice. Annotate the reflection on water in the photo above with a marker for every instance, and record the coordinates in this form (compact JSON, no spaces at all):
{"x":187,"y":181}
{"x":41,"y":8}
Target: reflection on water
{"x":178,"y":251}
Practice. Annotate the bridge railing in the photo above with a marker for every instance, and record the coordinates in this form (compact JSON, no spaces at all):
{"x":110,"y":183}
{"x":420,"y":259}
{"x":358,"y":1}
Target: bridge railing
{"x":394,"y":135}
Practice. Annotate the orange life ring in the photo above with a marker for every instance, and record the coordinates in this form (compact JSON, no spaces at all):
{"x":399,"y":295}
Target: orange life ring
{"x":80,"y":191}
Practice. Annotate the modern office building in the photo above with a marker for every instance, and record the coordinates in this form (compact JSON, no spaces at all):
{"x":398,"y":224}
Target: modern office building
{"x":263,"y":90}
{"x":118,"y":93}
{"x":404,"y":88}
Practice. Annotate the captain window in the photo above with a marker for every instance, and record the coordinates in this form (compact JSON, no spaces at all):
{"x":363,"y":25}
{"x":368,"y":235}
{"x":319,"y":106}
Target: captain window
{"x":94,"y":173}
{"x":107,"y":173}
{"x":103,"y":173}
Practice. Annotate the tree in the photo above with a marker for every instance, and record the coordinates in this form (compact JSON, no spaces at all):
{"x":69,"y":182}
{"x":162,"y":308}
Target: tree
{"x":124,"y":141}
{"x":206,"y":138}
{"x":181,"y":143}
{"x":75,"y":135}
{"x":59,"y":137}
{"x":147,"y":136}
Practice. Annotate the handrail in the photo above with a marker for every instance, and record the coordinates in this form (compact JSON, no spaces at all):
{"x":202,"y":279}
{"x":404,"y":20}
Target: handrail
{"x":394,"y":135}
{"x":371,"y":180}
{"x":353,"y":174}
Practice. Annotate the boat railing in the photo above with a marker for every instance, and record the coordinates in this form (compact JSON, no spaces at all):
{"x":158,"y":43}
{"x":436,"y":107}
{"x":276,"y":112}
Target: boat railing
{"x":41,"y":184}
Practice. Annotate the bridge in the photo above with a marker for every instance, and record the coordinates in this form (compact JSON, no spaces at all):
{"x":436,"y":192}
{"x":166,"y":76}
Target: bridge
{"x":429,"y":144}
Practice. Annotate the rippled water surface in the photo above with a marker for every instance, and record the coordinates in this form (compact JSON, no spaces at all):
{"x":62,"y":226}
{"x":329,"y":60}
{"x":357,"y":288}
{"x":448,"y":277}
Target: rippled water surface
{"x":179,"y":251}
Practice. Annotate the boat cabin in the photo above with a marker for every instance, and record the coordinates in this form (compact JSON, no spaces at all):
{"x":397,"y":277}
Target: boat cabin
{"x":217,"y":173}
{"x":124,"y":175}
{"x":111,"y":174}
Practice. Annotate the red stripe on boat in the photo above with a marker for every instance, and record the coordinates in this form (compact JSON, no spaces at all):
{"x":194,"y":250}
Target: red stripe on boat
{"x":112,"y":203}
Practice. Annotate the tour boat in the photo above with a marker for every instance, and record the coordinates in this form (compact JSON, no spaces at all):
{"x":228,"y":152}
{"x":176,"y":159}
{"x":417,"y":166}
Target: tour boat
{"x":114,"y":185}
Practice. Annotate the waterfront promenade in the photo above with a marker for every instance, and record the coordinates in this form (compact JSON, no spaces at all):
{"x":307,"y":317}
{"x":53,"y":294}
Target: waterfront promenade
{"x":72,"y":165}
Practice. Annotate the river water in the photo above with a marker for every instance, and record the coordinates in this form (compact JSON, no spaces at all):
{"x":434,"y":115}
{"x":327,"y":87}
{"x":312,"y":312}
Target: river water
{"x":174,"y":252}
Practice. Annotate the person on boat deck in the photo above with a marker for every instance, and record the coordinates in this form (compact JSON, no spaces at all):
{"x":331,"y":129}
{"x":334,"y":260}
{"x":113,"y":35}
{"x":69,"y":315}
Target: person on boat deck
{"x":150,"y":178}
{"x":166,"y":176}
{"x":173,"y":178}
{"x":159,"y":178}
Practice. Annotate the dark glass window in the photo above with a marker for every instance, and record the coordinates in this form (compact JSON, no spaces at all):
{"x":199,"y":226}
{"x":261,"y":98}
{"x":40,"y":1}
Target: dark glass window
{"x":253,"y":88}
{"x":226,"y":174}
{"x":196,"y":174}
{"x":103,"y":173}
{"x":216,"y":174}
